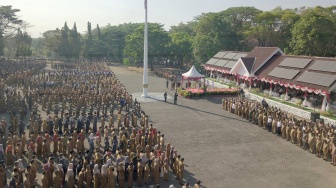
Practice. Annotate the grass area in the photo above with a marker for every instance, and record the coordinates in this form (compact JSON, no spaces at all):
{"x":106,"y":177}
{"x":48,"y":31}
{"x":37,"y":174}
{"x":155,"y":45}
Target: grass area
{"x":294,"y":105}
{"x":227,"y":84}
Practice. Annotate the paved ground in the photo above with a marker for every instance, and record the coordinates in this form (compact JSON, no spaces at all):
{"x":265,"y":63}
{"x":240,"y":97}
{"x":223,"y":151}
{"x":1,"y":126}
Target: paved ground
{"x":224,"y":150}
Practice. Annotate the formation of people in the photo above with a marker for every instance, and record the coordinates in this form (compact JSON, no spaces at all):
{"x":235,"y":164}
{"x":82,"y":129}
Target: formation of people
{"x":317,"y":137}
{"x":84,"y":130}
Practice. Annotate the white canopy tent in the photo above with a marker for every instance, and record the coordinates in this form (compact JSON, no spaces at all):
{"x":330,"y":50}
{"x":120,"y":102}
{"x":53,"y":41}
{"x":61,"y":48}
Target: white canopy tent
{"x":192,"y":74}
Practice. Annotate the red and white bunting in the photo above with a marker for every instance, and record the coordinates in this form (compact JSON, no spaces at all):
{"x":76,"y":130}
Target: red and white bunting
{"x":310,"y":90}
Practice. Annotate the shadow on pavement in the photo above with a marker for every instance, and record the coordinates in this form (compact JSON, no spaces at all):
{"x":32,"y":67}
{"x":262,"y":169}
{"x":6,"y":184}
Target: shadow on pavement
{"x":199,"y":110}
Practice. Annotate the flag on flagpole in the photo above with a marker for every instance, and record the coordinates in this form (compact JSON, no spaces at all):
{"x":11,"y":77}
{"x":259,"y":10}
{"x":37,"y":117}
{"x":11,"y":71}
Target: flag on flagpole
{"x":145,"y":4}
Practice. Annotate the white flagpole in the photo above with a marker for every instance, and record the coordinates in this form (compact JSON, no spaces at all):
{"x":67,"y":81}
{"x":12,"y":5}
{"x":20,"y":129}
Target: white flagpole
{"x":145,"y":66}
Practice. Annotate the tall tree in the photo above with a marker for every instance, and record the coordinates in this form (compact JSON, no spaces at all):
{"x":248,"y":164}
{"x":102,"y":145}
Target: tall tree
{"x":114,"y":39}
{"x":23,"y":44}
{"x":314,"y":33}
{"x":75,"y":42}
{"x":52,"y":42}
{"x":188,"y":28}
{"x":9,"y":23}
{"x":158,"y":44}
{"x":99,"y":44}
{"x":89,"y":46}
{"x":65,"y":48}
{"x":181,"y":47}
{"x":237,"y":20}
{"x":272,"y":28}
{"x":221,"y":31}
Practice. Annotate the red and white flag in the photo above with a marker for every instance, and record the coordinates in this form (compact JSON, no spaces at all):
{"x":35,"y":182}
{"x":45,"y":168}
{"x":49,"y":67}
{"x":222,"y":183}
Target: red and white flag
{"x":145,"y":4}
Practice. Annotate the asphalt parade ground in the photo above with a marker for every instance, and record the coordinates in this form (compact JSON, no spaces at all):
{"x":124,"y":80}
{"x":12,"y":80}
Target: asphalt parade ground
{"x":220,"y":148}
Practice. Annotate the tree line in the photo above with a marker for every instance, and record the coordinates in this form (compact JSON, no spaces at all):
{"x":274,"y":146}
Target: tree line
{"x":300,"y":31}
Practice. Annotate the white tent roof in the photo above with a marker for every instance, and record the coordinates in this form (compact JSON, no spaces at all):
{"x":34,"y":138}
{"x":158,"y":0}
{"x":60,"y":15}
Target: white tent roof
{"x":192,"y":73}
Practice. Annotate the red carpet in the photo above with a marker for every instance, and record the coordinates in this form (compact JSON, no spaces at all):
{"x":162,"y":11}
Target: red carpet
{"x":193,"y":90}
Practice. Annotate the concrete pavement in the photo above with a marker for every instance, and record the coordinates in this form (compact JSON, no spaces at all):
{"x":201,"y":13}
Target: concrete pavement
{"x":223,"y":150}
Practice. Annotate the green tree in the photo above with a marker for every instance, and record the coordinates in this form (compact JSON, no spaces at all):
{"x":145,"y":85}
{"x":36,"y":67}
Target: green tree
{"x":158,"y":44}
{"x":75,"y":42}
{"x":9,"y":22}
{"x":52,"y":42}
{"x":114,"y":40}
{"x":212,"y":35}
{"x":188,"y":28}
{"x":237,"y":20}
{"x":99,"y":45}
{"x":272,"y":28}
{"x":314,"y":33}
{"x":65,"y":48}
{"x":222,"y":31}
{"x":181,"y":47}
{"x":23,"y":44}
{"x":89,"y":45}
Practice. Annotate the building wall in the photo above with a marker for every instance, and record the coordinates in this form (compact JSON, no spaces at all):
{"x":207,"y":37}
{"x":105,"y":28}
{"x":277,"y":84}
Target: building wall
{"x":289,"y":109}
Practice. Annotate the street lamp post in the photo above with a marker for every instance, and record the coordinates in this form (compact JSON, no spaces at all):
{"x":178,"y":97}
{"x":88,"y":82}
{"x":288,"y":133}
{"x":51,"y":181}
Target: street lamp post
{"x":145,"y":68}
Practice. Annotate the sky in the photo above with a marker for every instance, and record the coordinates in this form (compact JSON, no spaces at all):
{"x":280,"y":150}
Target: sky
{"x":44,"y":15}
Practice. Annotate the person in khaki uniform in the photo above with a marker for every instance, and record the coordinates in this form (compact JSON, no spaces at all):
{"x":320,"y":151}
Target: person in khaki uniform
{"x":165,"y":170}
{"x":299,"y":136}
{"x":111,"y":177}
{"x":305,"y":139}
{"x":64,"y":142}
{"x":319,"y":144}
{"x":59,"y":176}
{"x":264,"y":120}
{"x":56,"y":140}
{"x":96,"y":177}
{"x":288,"y":131}
{"x":274,"y":125}
{"x":325,"y":149}
{"x":44,"y":180}
{"x":156,"y":171}
{"x":333,"y":153}
{"x":146,"y":173}
{"x":283,"y":128}
{"x":45,"y":149}
{"x":23,"y":141}
{"x":19,"y":151}
{"x":311,"y":142}
{"x":81,"y":178}
{"x":88,"y":176}
{"x":39,"y":147}
{"x":130,"y":170}
{"x":140,"y":172}
{"x":26,"y":182}
{"x":293,"y":134}
{"x":176,"y":162}
{"x":121,"y":175}
{"x":181,"y":171}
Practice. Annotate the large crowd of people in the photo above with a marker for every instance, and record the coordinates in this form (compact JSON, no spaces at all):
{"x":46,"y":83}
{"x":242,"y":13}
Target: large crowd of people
{"x":84,"y":130}
{"x":316,"y":137}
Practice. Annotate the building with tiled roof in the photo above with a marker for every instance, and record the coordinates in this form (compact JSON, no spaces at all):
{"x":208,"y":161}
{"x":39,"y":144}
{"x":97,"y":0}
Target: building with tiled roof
{"x":269,"y":67}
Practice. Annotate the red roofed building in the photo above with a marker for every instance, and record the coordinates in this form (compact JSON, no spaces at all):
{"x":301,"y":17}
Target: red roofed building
{"x":268,"y":68}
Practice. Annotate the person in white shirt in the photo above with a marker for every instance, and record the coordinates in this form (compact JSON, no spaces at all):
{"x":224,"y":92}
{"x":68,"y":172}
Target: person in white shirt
{"x":233,"y":107}
{"x":279,"y":125}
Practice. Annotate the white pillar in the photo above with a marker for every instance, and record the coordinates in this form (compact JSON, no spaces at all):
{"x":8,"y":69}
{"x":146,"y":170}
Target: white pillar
{"x":145,"y":68}
{"x":323,"y":106}
{"x":305,"y":101}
